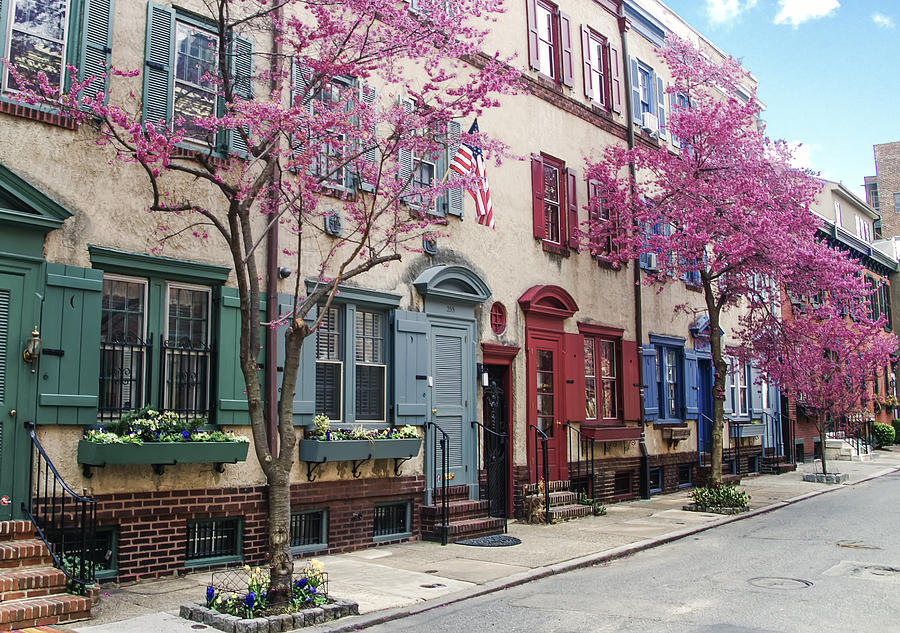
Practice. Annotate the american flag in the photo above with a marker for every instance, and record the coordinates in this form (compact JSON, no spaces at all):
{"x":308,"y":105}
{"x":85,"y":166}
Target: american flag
{"x":469,"y":161}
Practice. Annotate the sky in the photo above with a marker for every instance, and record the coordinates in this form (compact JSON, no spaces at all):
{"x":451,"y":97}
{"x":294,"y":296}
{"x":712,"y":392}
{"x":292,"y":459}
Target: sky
{"x":827,"y":70}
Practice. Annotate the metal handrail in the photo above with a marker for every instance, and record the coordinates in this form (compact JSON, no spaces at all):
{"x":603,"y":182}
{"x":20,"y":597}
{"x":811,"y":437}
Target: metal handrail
{"x":581,"y":441}
{"x":545,"y":469}
{"x":503,"y":437}
{"x":69,"y":534}
{"x":445,"y":466}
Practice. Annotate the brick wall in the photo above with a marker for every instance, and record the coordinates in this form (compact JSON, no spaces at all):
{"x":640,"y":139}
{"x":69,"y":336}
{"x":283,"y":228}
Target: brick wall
{"x":152,"y":526}
{"x":887,"y":168}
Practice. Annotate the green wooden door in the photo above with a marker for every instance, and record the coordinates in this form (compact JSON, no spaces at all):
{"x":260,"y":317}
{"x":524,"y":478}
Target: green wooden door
{"x":13,"y":463}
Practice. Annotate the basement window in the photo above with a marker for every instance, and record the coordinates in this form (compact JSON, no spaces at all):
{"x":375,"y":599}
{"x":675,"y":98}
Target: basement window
{"x":213,"y":541}
{"x":392,"y":521}
{"x":309,"y":531}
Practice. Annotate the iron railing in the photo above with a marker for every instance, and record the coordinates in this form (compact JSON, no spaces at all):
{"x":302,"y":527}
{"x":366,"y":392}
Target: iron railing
{"x":123,"y":376}
{"x":856,"y":432}
{"x":584,"y":457}
{"x":444,"y":444}
{"x":63,"y":519}
{"x":542,"y":456}
{"x":184,"y":388}
{"x":500,"y":440}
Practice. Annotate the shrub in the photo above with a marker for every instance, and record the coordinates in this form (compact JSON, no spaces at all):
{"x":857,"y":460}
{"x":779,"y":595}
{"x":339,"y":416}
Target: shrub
{"x":720,"y":496}
{"x":884,"y":434}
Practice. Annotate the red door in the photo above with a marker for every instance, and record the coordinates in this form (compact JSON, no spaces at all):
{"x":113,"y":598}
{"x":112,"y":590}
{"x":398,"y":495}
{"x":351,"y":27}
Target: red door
{"x":545,"y":386}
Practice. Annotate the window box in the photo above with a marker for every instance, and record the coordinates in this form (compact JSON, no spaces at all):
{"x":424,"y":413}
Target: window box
{"x":611,"y":433}
{"x":747,"y":430}
{"x":161,"y":453}
{"x":353,"y":450}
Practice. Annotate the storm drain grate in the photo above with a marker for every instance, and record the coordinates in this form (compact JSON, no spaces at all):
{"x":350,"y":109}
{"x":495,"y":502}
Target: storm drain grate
{"x":495,"y":540}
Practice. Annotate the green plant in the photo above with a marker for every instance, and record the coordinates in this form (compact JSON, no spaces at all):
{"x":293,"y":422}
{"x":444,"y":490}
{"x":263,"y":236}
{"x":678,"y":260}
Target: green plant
{"x":359,"y":432}
{"x":147,"y":425}
{"x":597,"y":508}
{"x":720,"y":496}
{"x":321,"y":424}
{"x":310,"y":590}
{"x":884,"y":434}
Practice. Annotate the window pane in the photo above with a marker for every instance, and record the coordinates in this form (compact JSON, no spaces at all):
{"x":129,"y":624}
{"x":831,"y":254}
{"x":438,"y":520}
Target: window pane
{"x":44,"y":18}
{"x":590,"y":397}
{"x":32,"y":55}
{"x":545,"y":40}
{"x":123,"y":350}
{"x":370,"y":392}
{"x":188,"y":316}
{"x":122,"y":316}
{"x":608,"y":359}
{"x":609,"y":400}
{"x":196,"y":54}
{"x":369,"y":337}
{"x":329,"y":381}
{"x":328,"y":336}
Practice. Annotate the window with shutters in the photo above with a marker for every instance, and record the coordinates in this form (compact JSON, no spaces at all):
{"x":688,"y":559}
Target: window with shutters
{"x":422,"y":170}
{"x":550,"y":41}
{"x":43,"y":36}
{"x":554,"y":204}
{"x":737,"y":386}
{"x":155,"y":347}
{"x":645,"y":88}
{"x":351,"y":365}
{"x":668,"y":380}
{"x":194,"y":95}
{"x":598,"y":215}
{"x":602,"y":358}
{"x":596,"y":67}
{"x":330,"y":164}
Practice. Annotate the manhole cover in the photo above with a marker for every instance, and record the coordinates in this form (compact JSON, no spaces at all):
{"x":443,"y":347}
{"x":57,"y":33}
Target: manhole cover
{"x":495,"y":540}
{"x":433,"y":585}
{"x":855,"y":545}
{"x":776,"y":582}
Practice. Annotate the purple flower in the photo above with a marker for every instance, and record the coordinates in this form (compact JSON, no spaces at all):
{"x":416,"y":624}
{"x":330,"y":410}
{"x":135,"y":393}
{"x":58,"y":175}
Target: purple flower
{"x":312,"y":590}
{"x":210,"y":594}
{"x":186,"y":435}
{"x":250,"y":599}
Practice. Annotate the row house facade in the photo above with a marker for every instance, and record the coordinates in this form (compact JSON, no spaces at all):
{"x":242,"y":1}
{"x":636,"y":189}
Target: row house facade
{"x":499,"y":338}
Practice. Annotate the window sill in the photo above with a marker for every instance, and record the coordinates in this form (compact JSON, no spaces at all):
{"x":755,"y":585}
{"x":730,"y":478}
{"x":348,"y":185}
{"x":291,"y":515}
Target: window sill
{"x":669,"y":423}
{"x":386,"y":538}
{"x":547,"y":81}
{"x":35,"y":113}
{"x":208,"y":562}
{"x":555,"y":249}
{"x":608,"y":263}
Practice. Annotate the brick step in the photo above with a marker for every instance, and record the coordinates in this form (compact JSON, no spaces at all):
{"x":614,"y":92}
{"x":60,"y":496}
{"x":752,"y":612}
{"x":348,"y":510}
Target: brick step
{"x":454,"y":493}
{"x":554,"y":486}
{"x":16,"y":530}
{"x":30,"y":582}
{"x":456,"y":511}
{"x":43,"y":611}
{"x":560,"y":498}
{"x":468,"y":528}
{"x":24,"y":553}
{"x":574,"y":511}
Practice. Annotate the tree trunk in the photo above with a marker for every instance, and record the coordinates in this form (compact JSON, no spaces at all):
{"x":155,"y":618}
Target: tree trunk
{"x":822,"y":444}
{"x":718,"y":421}
{"x":281,"y":565}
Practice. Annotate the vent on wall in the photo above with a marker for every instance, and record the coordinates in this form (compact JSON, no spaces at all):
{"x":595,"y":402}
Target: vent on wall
{"x":334,"y":226}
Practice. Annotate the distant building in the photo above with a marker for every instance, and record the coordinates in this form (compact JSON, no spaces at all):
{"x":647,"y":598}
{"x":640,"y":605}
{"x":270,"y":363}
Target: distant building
{"x":883,"y":189}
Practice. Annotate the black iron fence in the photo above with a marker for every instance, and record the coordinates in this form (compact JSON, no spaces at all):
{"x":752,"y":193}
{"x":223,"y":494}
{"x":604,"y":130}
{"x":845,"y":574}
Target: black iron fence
{"x":123,"y":376}
{"x":185,"y":384}
{"x":542,"y":466}
{"x":581,"y":460}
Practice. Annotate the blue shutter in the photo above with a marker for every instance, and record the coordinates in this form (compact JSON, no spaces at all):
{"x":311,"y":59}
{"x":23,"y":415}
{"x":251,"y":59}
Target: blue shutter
{"x":158,"y":67}
{"x":4,"y":11}
{"x":241,"y":60}
{"x":70,"y":325}
{"x":651,"y":395}
{"x":661,"y":106}
{"x":454,"y":195}
{"x":305,"y":391}
{"x":729,"y":400}
{"x":691,"y":385}
{"x":635,"y":92}
{"x":410,"y":367}
{"x":231,"y":392}
{"x":96,"y":44}
{"x":404,"y":156}
{"x":754,"y":390}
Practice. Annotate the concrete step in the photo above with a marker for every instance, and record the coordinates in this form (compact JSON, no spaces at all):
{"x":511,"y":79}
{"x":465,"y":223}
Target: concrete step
{"x":468,"y":528}
{"x":43,"y":611}
{"x":24,"y":553}
{"x":30,"y":582}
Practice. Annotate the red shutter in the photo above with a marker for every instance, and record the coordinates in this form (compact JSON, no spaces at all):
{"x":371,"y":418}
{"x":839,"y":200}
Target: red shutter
{"x":614,"y":58}
{"x":573,"y":378}
{"x":572,"y":207}
{"x":566,"y":60}
{"x":531,"y":11}
{"x":631,"y":394}
{"x":586,"y":55}
{"x":537,"y":196}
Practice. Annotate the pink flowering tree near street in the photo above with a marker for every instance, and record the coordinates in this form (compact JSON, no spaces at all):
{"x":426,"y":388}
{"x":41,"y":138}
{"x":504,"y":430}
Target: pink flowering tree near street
{"x":326,"y":108}
{"x":823,"y":358}
{"x":726,"y":211}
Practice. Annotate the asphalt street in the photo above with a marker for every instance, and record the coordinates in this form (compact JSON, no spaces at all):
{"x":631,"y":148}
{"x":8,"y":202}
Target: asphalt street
{"x":830,"y":563}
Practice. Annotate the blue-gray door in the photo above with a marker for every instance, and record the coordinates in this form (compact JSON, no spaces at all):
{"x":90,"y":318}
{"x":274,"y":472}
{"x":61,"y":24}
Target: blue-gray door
{"x":705,"y":404}
{"x":13,"y":463}
{"x":452,"y":398}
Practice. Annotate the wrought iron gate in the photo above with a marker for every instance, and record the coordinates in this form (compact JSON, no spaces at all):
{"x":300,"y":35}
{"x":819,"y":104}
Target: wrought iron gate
{"x":496,"y":448}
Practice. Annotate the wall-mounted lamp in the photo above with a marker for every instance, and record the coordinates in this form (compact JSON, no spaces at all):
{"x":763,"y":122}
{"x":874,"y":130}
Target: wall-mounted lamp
{"x":284,"y":272}
{"x":482,"y":374}
{"x":32,"y":347}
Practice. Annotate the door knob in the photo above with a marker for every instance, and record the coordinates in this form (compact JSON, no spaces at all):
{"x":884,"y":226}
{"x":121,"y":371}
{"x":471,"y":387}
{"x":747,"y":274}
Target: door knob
{"x":12,"y":413}
{"x":434,"y":412}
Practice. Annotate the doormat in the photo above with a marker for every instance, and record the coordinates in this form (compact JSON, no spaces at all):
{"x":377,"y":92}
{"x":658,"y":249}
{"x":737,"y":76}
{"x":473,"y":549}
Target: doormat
{"x":495,"y":540}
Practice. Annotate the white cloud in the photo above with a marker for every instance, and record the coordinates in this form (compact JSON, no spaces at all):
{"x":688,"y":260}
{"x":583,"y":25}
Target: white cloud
{"x":796,"y":12}
{"x":720,"y":11}
{"x":884,"y":21}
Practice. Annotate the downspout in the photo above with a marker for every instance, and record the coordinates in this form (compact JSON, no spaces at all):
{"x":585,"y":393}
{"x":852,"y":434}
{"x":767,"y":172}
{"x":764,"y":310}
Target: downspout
{"x":271,"y":359}
{"x":638,"y":295}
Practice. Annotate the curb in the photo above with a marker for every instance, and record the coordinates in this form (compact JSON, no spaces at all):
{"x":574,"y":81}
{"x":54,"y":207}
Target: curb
{"x":382,"y":617}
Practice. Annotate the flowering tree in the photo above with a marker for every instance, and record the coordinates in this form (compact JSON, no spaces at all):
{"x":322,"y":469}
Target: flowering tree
{"x":299,"y":101}
{"x":823,"y":359}
{"x":726,"y":212}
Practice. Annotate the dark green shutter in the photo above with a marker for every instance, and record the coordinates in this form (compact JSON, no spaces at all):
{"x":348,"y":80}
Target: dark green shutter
{"x":96,"y":44}
{"x":242,"y":75}
{"x":410,"y":367}
{"x":305,"y":391}
{"x":454,"y":195}
{"x":651,"y":393}
{"x":231,"y":401}
{"x":70,"y":332}
{"x":158,"y":66}
{"x":4,"y":12}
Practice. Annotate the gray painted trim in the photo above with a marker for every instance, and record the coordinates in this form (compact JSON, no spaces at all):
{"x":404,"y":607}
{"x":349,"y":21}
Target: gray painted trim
{"x":354,"y":294}
{"x":429,"y":284}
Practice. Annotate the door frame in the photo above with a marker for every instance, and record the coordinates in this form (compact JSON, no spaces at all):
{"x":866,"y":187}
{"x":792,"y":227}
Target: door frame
{"x":704,"y":403}
{"x":503,"y":356}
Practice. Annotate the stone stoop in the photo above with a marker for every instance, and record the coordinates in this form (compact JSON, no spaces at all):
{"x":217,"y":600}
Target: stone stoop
{"x":776,"y":466}
{"x":563,"y":502}
{"x":466,"y":518}
{"x":32,"y":591}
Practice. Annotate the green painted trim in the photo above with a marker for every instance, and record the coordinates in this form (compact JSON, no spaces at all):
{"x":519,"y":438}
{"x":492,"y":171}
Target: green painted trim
{"x":166,"y":453}
{"x":215,"y":560}
{"x":67,"y":400}
{"x":230,"y":298}
{"x":31,"y":197}
{"x":353,"y":294}
{"x":75,"y":283}
{"x":113,"y":260}
{"x":233,"y":405}
{"x":29,"y":220}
